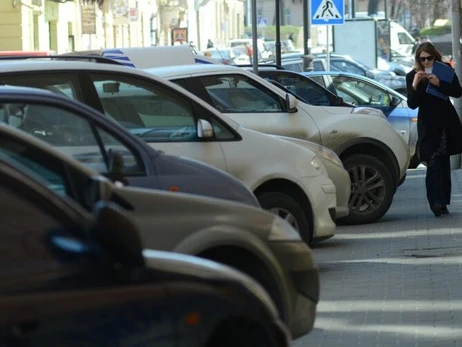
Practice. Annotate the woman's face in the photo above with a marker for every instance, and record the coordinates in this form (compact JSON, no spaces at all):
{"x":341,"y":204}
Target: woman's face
{"x":426,"y":59}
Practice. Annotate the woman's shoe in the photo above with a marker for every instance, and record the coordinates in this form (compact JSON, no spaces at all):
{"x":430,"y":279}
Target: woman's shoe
{"x":437,"y":209}
{"x":444,"y":210}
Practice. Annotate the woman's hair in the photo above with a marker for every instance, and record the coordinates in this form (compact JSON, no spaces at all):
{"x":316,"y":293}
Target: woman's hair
{"x":426,"y":47}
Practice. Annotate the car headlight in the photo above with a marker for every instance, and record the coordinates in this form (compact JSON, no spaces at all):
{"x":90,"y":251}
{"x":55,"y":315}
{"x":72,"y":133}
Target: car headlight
{"x":283,"y":231}
{"x":316,"y":163}
{"x":330,"y":155}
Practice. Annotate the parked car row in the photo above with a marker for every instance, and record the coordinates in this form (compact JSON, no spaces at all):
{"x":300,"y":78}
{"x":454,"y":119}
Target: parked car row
{"x":192,"y":166}
{"x":73,"y":267}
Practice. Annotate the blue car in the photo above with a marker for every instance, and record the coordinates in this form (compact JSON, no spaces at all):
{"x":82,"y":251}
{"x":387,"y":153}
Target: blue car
{"x":336,"y":88}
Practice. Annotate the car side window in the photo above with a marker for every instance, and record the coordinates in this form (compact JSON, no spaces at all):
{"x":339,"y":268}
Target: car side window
{"x":148,"y":110}
{"x":363,"y":93}
{"x":240,"y":94}
{"x":23,"y":252}
{"x":37,"y":163}
{"x":318,"y":79}
{"x":63,"y":84}
{"x":308,"y":90}
{"x":347,"y":67}
{"x":71,"y":134}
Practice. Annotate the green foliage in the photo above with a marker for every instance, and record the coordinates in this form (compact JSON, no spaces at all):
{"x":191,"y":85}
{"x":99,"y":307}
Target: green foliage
{"x":269,"y":32}
{"x":435,"y":31}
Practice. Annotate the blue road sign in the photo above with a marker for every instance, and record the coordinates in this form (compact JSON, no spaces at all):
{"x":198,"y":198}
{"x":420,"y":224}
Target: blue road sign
{"x":327,"y":12}
{"x":262,"y":22}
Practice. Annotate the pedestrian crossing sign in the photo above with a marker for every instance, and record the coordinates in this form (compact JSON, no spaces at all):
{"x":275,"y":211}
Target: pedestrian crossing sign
{"x":327,"y":12}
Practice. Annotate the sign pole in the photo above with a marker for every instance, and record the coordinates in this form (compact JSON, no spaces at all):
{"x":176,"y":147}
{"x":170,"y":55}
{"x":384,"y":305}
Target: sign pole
{"x":254,"y":37}
{"x":327,"y":48}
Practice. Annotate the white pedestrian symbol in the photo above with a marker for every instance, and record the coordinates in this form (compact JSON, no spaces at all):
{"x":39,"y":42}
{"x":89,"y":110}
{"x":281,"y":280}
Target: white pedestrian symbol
{"x":327,"y":10}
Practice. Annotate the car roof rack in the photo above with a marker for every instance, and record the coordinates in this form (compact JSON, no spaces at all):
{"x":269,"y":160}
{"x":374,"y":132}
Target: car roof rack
{"x":90,"y":58}
{"x":277,"y":67}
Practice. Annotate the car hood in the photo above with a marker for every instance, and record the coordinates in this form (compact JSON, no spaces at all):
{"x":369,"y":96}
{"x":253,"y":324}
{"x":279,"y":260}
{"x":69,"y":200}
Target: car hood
{"x":195,"y":177}
{"x":198,"y":269}
{"x":338,"y":110}
{"x":166,"y":219}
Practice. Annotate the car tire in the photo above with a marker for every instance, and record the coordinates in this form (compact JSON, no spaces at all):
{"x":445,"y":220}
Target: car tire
{"x":382,"y":188}
{"x":240,"y":334}
{"x":414,"y":162}
{"x":287,"y":208}
{"x":242,"y":261}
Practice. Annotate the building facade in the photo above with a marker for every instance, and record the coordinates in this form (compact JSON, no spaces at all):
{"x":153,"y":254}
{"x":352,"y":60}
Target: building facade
{"x":67,"y":25}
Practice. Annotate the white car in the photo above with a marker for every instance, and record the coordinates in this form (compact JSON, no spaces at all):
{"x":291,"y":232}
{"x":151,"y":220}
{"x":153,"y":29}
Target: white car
{"x":287,"y":179}
{"x":375,"y":156}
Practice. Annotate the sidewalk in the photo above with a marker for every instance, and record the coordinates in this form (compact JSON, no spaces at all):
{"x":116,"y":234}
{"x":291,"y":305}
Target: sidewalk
{"x":396,"y":282}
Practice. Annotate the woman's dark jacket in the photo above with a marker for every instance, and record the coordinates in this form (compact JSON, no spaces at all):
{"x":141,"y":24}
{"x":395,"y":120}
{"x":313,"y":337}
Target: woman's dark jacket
{"x":435,"y":115}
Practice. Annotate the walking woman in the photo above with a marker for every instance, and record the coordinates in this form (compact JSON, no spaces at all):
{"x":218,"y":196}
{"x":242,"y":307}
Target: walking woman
{"x":438,"y":125}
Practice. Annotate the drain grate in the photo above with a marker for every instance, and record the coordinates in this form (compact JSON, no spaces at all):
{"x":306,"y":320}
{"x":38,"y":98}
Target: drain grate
{"x":433,"y":252}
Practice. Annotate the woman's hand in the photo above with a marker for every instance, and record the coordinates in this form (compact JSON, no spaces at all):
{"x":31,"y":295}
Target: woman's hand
{"x":419,"y":76}
{"x":433,"y":79}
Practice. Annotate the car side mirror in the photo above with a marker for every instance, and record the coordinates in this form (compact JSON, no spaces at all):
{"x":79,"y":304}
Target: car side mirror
{"x":117,"y":234}
{"x":339,"y":101}
{"x":98,"y":188}
{"x":204,"y":129}
{"x":116,"y":167}
{"x":291,"y":103}
{"x":394,"y":101}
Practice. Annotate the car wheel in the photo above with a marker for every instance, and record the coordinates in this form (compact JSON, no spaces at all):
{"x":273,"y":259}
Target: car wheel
{"x":240,"y":334}
{"x":288,"y":209}
{"x":244,"y":262}
{"x":414,"y":162}
{"x":372,"y":189}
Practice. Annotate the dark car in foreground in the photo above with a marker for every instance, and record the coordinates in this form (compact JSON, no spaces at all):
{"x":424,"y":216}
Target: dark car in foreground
{"x":69,"y":277}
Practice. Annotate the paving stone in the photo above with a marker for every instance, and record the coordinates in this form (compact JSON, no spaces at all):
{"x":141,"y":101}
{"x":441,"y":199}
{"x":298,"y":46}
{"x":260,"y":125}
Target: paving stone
{"x":397,"y":282}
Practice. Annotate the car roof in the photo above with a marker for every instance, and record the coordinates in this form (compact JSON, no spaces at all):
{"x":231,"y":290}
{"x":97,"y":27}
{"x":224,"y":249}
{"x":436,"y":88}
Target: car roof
{"x":34,"y":66}
{"x":20,"y":91}
{"x":56,"y":65}
{"x":170,"y":71}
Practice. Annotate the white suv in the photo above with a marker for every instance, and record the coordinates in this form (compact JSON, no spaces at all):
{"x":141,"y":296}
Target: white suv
{"x":296,"y":187}
{"x":375,"y":156}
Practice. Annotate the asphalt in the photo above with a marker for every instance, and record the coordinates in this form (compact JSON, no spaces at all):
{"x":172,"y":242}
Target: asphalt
{"x":396,"y":282}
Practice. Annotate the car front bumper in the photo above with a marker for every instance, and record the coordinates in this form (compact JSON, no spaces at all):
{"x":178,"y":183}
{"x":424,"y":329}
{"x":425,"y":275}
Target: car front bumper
{"x":341,"y":180}
{"x":321,"y":193}
{"x":302,"y":280}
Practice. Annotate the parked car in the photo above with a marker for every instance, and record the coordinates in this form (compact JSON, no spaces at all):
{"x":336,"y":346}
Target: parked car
{"x":227,"y":56}
{"x":71,"y":277}
{"x":362,"y":91}
{"x":346,"y":63}
{"x":328,"y":88}
{"x":362,"y":142}
{"x":149,"y":166}
{"x":304,"y":88}
{"x":169,"y":118}
{"x":251,"y":240}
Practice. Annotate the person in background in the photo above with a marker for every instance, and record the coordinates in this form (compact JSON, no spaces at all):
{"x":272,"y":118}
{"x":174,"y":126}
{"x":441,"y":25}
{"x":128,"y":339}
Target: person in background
{"x":438,"y":125}
{"x":210,"y":44}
